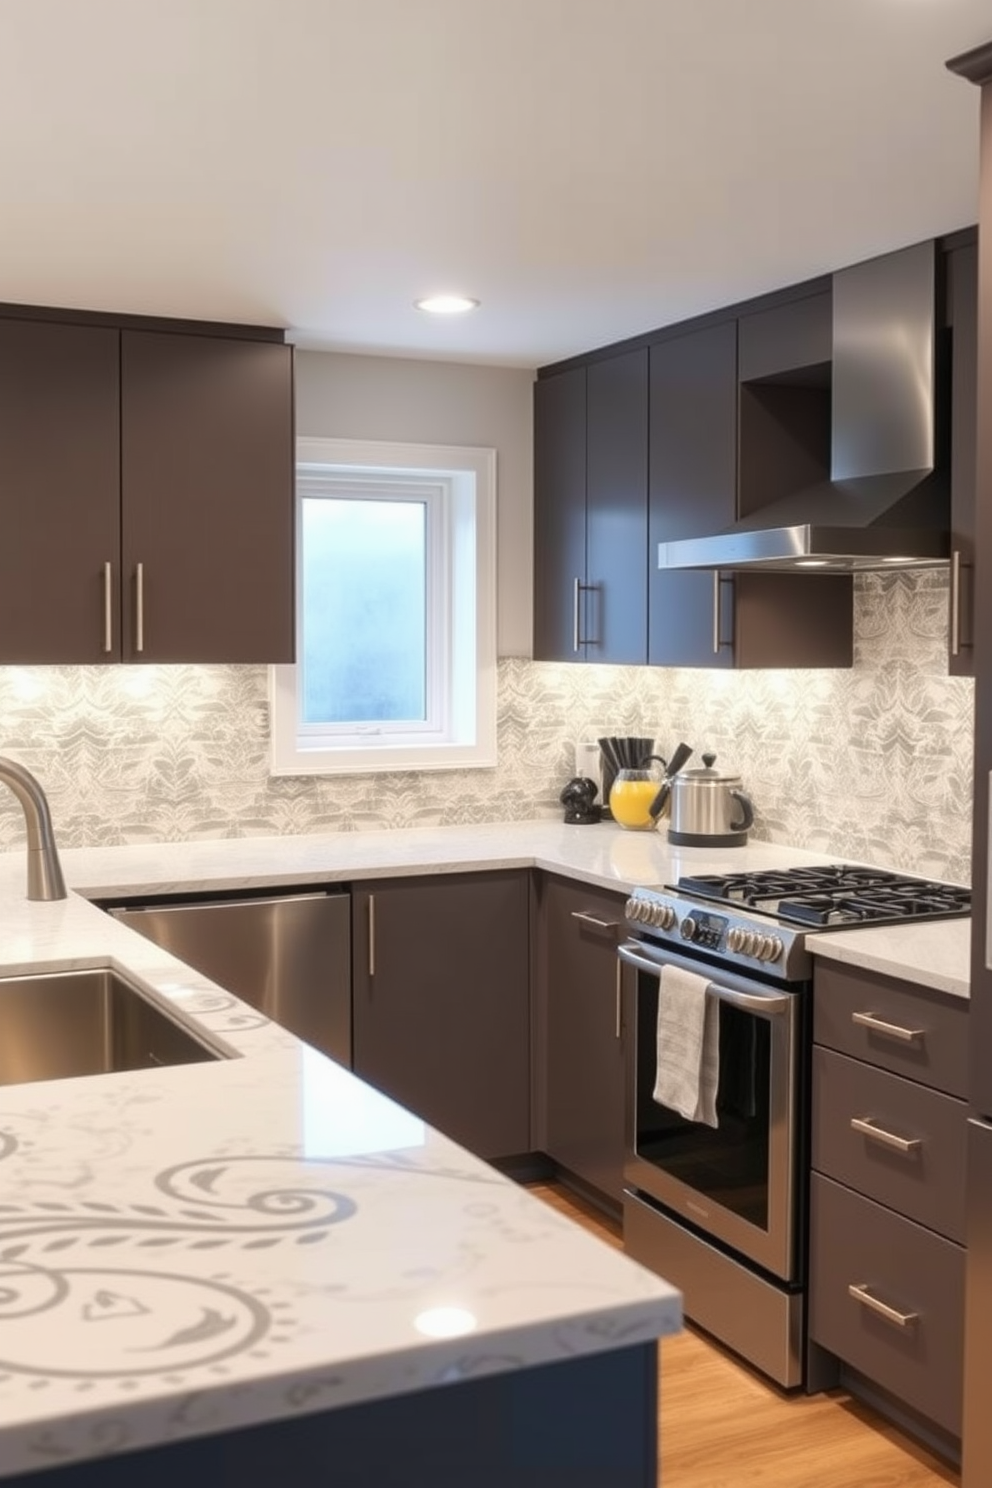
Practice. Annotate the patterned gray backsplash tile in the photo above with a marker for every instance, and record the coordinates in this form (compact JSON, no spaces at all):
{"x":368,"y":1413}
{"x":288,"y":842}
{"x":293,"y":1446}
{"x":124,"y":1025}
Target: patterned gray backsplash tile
{"x":871,"y":763}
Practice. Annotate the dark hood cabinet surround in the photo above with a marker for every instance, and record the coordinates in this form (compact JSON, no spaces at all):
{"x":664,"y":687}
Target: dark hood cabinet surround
{"x":679,"y":432}
{"x":146,"y":472}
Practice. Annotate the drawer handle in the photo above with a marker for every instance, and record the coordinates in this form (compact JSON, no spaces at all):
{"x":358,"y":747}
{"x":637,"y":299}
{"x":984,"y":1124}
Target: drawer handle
{"x":866,"y":1126}
{"x":614,"y":926}
{"x":891,"y":1314}
{"x":890,"y":1030}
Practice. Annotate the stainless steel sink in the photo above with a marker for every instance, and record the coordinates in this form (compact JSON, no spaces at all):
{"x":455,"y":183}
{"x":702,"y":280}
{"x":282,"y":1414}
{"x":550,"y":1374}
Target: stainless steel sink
{"x":55,"y":1025}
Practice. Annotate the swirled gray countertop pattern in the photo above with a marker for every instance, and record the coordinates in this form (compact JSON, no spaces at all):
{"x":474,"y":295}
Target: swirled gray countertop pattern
{"x":190,"y":1249}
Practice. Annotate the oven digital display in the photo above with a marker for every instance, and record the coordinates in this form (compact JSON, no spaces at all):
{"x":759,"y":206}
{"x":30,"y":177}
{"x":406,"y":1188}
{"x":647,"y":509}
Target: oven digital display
{"x":708,"y":929}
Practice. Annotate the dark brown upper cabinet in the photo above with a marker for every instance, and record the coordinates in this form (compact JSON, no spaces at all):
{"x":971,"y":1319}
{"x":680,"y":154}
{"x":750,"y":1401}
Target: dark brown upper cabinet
{"x":693,"y":486}
{"x":721,"y":447}
{"x":591,"y":503}
{"x":207,"y":498}
{"x":146,"y":487}
{"x":59,"y":492}
{"x":962,"y":301}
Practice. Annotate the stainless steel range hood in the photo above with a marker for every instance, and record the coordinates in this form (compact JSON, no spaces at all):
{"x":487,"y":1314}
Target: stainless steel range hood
{"x":885,"y":503}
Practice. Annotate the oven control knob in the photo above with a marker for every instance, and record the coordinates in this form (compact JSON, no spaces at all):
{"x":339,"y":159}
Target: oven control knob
{"x":774,"y":949}
{"x":636,"y":909}
{"x":687,"y":929}
{"x":662,"y":915}
{"x":735,"y":939}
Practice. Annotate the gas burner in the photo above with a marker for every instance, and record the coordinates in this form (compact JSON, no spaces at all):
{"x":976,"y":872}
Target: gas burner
{"x":834,"y":896}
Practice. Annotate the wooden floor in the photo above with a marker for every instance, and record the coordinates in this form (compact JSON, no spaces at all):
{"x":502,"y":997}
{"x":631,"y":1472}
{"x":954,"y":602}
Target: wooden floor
{"x":722,"y":1426}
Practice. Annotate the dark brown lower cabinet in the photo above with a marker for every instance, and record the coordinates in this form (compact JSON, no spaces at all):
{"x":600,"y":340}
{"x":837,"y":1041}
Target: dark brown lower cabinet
{"x":579,"y":1033}
{"x":886,"y":1291}
{"x":441,"y":1002}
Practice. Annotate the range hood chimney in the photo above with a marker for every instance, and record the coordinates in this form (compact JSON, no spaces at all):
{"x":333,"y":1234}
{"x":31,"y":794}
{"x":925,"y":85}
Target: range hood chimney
{"x":886,"y":504}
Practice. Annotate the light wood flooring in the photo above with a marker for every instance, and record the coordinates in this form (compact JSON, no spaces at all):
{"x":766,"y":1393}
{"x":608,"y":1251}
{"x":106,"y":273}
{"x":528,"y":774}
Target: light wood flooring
{"x":722,"y":1426}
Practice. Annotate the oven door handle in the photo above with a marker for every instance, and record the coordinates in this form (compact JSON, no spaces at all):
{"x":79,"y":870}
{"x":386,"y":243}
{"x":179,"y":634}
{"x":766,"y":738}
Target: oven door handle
{"x":769,"y":1006}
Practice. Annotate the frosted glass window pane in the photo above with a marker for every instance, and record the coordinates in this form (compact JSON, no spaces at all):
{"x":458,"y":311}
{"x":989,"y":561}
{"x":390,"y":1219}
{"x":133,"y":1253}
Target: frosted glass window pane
{"x":364,"y":641}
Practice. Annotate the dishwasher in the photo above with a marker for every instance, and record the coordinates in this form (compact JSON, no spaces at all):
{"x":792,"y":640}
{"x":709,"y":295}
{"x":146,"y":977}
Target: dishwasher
{"x":287,"y":955}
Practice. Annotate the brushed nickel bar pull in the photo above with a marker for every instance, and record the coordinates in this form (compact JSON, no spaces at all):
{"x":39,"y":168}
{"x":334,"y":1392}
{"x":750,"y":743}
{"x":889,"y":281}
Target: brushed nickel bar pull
{"x":956,"y":602}
{"x":893,"y":1315}
{"x":139,"y":607}
{"x":716,"y":612}
{"x":371,"y":935}
{"x":619,"y":998}
{"x":867,"y":1127}
{"x":590,"y":919}
{"x":875,"y":1024}
{"x":575,"y":615}
{"x":108,"y":614}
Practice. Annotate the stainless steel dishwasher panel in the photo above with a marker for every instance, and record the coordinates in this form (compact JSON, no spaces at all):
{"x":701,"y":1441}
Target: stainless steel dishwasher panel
{"x":289,"y":956}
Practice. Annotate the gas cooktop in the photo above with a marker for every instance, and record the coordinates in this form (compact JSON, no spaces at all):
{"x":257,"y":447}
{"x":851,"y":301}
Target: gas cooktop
{"x":766,"y":918}
{"x":834,"y":897}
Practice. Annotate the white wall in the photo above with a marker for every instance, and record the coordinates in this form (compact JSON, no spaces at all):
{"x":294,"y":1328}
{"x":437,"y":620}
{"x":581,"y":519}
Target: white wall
{"x":340,"y":396}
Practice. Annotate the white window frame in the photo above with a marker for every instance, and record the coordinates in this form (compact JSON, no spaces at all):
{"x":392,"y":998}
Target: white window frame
{"x":460,"y":731}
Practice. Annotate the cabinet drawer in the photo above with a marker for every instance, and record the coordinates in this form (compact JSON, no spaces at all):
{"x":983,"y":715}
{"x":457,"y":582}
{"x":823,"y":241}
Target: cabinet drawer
{"x":912,"y":1031}
{"x":925,"y":1178}
{"x":854,"y":1242}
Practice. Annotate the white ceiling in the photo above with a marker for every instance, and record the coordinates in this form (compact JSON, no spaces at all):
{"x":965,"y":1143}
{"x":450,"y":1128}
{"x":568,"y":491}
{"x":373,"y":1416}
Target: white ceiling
{"x":589,"y":169}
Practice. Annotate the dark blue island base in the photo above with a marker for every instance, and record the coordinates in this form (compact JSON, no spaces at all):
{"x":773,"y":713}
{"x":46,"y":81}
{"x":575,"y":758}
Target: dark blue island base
{"x":582,"y":1423}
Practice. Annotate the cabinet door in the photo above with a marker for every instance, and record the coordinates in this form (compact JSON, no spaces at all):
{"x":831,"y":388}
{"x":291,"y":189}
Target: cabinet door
{"x":207,"y":503}
{"x":559,"y":515}
{"x":580,"y":1033}
{"x":693,"y":473}
{"x":60,"y":484}
{"x":615,"y":612}
{"x":963,"y":297}
{"x":441,"y":1013}
{"x":887,"y":1296}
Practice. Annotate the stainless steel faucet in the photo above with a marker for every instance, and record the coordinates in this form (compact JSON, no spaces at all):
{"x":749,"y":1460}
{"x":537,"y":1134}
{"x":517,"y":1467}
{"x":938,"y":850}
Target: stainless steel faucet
{"x":45,"y":879}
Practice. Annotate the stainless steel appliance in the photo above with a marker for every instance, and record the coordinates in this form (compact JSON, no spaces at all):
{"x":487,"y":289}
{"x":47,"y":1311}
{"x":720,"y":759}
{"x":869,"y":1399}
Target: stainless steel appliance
{"x":721,"y":1210}
{"x":288,"y":955}
{"x":887,"y":496}
{"x":709,"y":808}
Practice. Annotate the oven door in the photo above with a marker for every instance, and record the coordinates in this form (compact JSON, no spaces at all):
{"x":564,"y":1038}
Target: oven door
{"x":738,"y":1181}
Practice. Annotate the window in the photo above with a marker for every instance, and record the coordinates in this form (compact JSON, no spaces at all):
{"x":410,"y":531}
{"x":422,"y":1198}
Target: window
{"x":396,"y":611}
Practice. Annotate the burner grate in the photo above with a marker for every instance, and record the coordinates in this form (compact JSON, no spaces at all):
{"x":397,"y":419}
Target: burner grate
{"x":833,"y":896}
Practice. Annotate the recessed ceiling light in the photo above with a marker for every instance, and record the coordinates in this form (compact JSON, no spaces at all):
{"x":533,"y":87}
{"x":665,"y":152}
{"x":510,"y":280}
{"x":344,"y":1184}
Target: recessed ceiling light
{"x":447,"y":304}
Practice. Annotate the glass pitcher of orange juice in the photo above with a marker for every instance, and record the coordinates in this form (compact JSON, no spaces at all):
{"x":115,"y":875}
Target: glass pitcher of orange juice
{"x":632,"y":795}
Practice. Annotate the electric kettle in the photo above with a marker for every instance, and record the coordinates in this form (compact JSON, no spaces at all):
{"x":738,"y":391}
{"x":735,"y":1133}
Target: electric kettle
{"x":708,"y":808}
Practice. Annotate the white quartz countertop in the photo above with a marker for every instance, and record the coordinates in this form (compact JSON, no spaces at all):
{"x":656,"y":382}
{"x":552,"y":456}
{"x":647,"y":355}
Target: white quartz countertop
{"x":935,"y":954}
{"x":187,"y":1250}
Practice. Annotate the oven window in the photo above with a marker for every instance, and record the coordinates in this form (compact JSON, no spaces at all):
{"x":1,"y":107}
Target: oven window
{"x":727,"y":1163}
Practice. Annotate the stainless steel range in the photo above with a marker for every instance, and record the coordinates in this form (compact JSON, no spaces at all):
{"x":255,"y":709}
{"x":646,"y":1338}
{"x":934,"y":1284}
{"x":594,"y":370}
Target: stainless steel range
{"x":718,"y":1203}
